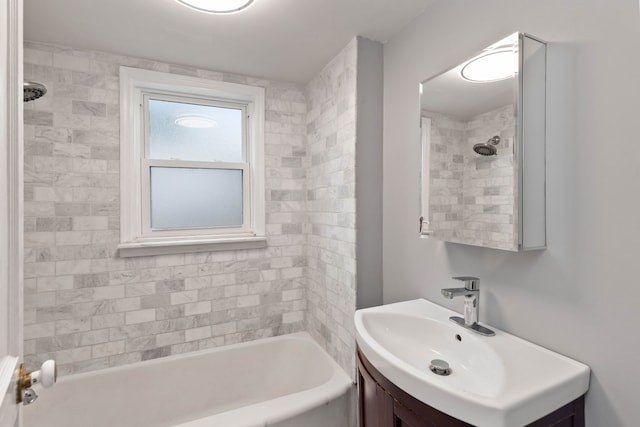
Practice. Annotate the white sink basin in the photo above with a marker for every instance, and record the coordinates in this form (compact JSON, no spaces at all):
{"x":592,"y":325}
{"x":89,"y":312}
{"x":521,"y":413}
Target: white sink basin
{"x":498,"y":381}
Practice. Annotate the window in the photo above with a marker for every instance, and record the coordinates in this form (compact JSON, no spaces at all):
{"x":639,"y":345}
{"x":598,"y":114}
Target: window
{"x":192,"y":167}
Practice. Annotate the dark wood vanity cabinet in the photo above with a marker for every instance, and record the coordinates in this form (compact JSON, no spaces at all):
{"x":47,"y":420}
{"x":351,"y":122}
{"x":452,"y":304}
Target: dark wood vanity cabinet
{"x":383,"y":404}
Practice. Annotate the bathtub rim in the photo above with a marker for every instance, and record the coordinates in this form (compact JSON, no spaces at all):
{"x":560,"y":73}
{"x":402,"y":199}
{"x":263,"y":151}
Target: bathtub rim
{"x":260,"y":413}
{"x":303,"y":335}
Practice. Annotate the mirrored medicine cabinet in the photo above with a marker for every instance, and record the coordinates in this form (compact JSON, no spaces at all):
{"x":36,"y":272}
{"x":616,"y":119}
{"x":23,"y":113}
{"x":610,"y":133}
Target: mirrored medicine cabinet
{"x":482,"y":136}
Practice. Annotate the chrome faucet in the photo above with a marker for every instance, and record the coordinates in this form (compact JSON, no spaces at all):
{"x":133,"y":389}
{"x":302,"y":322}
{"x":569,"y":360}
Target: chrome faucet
{"x":471,"y":294}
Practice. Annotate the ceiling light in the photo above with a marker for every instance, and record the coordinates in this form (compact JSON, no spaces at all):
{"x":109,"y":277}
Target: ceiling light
{"x":196,"y":121}
{"x":220,"y":7}
{"x":491,"y":66}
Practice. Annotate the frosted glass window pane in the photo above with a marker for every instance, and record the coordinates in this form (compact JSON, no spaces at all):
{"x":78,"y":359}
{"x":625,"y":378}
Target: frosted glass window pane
{"x":183,"y":131}
{"x":195,"y":198}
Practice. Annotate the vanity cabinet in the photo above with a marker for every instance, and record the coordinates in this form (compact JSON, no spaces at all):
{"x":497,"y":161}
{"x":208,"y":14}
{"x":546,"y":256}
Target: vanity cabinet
{"x":383,"y":404}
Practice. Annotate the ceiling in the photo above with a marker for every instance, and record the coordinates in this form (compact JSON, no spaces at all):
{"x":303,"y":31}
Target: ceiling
{"x":450,"y":94}
{"x":288,"y":40}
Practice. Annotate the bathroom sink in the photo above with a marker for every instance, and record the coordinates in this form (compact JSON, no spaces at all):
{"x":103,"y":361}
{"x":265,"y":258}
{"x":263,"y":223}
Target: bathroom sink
{"x":496,"y":381}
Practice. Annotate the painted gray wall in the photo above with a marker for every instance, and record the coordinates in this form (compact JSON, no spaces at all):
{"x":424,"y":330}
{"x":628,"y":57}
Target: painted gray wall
{"x":578,"y":297}
{"x":369,"y":173}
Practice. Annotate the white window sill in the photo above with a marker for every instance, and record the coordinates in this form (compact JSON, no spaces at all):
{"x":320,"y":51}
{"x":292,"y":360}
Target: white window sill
{"x":179,"y":246}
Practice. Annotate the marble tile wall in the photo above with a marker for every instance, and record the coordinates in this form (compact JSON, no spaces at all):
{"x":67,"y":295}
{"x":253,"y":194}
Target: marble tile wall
{"x":472,"y":196}
{"x":447,"y":164}
{"x":90,"y":309}
{"x":489,"y":182}
{"x":331,"y":231}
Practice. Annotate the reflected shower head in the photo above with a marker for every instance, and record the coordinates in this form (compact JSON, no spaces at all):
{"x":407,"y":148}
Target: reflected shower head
{"x":33,"y":91}
{"x":487,"y":148}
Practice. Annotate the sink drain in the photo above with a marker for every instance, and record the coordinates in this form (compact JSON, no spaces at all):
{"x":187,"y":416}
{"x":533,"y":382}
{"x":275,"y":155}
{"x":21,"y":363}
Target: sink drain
{"x":440,"y":367}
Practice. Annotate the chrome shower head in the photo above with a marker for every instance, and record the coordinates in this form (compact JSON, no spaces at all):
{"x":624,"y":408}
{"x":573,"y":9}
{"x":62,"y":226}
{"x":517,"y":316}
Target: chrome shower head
{"x":487,"y":148}
{"x":33,"y":91}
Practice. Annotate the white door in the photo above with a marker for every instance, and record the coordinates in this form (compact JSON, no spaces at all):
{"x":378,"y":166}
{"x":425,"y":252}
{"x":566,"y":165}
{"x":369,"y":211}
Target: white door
{"x":11,"y":252}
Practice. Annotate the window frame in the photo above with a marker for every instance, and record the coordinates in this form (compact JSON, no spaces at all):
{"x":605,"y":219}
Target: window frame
{"x":136,"y":236}
{"x":147,"y":163}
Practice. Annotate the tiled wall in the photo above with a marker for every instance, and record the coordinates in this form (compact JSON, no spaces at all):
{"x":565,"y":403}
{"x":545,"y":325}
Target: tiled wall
{"x":90,"y":309}
{"x":331,"y":232}
{"x":489,"y":182}
{"x":472,"y":196}
{"x":447,"y":164}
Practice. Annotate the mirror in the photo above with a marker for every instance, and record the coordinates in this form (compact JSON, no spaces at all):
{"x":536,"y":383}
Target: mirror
{"x":483,"y":148}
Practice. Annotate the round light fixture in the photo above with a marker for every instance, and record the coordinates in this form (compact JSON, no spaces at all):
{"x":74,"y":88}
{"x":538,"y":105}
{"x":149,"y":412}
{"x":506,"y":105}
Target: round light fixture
{"x":491,"y":66}
{"x":220,"y":7}
{"x":195,"y":121}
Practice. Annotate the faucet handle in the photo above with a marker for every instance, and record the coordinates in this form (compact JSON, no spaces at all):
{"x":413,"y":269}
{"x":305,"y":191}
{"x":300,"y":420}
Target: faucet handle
{"x":470,"y":283}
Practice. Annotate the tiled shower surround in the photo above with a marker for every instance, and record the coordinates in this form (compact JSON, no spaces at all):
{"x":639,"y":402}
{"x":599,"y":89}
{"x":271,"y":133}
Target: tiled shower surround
{"x":472,"y":196}
{"x":90,"y":309}
{"x":331,"y":189}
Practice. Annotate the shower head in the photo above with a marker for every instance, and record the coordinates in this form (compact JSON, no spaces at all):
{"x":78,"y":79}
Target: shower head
{"x":487,"y":148}
{"x":33,"y":91}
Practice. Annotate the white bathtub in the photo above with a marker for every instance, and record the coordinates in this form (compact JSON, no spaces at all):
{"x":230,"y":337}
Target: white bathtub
{"x":286,"y":381}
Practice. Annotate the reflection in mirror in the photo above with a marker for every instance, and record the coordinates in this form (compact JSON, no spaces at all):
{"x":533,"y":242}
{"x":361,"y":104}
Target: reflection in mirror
{"x":471,"y":151}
